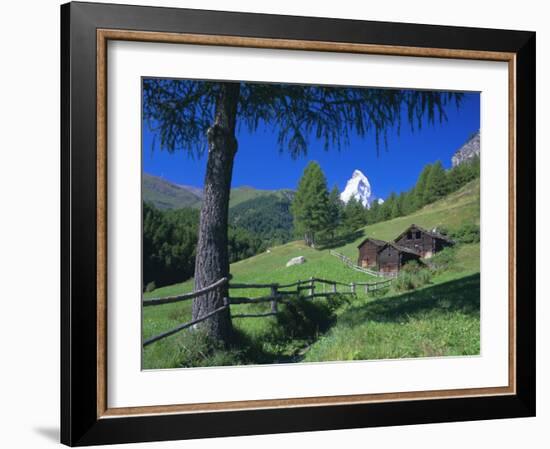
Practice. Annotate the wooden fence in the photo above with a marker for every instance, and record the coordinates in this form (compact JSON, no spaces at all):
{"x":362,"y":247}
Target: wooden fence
{"x":279,"y":293}
{"x":347,"y":261}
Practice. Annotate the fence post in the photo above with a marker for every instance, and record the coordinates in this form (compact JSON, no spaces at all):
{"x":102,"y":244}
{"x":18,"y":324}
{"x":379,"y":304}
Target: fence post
{"x":366,"y":288}
{"x":333,"y":288}
{"x":311,"y":286}
{"x":352,"y":287}
{"x":274,"y":300}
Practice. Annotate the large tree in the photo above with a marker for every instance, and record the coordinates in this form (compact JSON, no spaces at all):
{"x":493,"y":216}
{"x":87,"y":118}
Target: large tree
{"x":334,"y":212}
{"x":310,"y":206}
{"x":194,"y":115}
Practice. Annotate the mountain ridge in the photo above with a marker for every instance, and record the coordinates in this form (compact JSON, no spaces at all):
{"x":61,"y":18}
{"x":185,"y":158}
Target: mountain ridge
{"x":165,"y":194}
{"x":468,"y":151}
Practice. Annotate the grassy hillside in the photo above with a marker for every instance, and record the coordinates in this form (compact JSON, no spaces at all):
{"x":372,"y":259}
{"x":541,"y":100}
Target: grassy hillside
{"x":166,"y":195}
{"x":241,"y":194}
{"x":441,"y":318}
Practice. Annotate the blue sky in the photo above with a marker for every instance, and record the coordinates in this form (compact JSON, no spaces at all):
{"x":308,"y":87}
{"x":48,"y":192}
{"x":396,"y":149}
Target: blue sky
{"x":259,"y":163}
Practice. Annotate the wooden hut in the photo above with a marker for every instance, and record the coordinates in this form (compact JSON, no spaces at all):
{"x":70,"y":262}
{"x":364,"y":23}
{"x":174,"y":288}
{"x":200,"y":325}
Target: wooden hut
{"x":368,"y":252}
{"x":391,"y":257}
{"x":426,"y":243}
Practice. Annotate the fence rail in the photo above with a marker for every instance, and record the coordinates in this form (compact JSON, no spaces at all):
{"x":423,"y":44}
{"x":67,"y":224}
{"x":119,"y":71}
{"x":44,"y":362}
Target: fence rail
{"x":347,"y":261}
{"x":186,"y":325}
{"x":171,"y":299}
{"x":275,"y":297}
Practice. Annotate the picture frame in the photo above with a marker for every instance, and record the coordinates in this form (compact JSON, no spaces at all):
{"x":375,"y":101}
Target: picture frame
{"x":86,"y":28}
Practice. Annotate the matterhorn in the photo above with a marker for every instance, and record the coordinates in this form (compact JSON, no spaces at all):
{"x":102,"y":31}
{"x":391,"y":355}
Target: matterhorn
{"x":358,"y":187}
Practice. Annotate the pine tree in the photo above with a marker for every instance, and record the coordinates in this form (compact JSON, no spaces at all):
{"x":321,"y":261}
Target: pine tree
{"x":393,"y":208}
{"x":334,"y":212}
{"x":386,"y":208}
{"x":436,"y":184}
{"x":420,"y":187}
{"x":397,"y":208}
{"x":354,"y":215}
{"x":310,"y":204}
{"x":373,"y":213}
{"x":406,"y":202}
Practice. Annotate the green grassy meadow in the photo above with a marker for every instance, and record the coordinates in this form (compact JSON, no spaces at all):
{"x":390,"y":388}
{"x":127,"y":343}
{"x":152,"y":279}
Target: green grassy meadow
{"x":440,"y":318}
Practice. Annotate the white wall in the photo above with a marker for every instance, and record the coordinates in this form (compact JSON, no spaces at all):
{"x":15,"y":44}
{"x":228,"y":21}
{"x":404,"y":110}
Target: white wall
{"x":29,"y":224}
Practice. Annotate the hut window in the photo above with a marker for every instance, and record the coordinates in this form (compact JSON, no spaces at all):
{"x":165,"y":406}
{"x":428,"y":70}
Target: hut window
{"x":417,"y":234}
{"x":409,"y":235}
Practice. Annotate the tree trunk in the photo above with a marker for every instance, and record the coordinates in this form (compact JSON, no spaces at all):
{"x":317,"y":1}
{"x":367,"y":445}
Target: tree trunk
{"x":212,"y":259}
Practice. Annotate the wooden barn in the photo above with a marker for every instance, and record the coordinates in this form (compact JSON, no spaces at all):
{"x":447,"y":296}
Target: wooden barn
{"x":391,"y":257}
{"x":368,"y":252}
{"x":421,"y":241}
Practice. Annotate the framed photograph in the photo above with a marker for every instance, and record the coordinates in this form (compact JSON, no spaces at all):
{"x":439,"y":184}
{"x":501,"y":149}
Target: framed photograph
{"x":282,"y":224}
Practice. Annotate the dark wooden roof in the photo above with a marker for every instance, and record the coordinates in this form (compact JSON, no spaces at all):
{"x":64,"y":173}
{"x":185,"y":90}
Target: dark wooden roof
{"x":375,"y":241}
{"x":400,"y":248}
{"x":435,"y":235}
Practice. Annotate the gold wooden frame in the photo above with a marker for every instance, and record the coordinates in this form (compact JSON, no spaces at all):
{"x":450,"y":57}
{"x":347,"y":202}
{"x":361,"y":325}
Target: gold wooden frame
{"x":103,"y":36}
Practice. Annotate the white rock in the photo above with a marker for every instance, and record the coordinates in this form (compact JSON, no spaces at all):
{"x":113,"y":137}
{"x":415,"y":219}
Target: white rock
{"x":296,"y":261}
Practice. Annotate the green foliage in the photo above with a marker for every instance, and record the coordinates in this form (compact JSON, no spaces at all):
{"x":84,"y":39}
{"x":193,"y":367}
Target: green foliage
{"x":170,"y":240}
{"x":436,"y":184}
{"x":335,"y":211}
{"x":306,"y":318}
{"x":243,"y":243}
{"x":373,"y":214}
{"x":463,"y":173}
{"x":267,"y":217}
{"x":354,"y":215}
{"x":420,"y":187}
{"x":310,"y":204}
{"x":433,"y":184}
{"x":195,"y":349}
{"x":443,"y":260}
{"x":396,"y":206}
{"x":181,"y":111}
{"x":466,"y":233}
{"x":412,"y":276}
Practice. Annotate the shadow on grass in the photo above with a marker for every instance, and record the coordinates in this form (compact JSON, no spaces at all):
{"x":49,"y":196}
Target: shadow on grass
{"x":341,"y":240}
{"x":298,"y":324}
{"x":458,"y":295}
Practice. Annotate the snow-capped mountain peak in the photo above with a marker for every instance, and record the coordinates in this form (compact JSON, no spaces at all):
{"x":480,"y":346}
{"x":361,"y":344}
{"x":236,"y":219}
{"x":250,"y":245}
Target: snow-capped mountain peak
{"x":358,"y":187}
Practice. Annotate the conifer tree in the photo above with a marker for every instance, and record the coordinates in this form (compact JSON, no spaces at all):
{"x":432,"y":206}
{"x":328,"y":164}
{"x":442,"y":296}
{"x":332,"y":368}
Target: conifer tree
{"x":310,"y":204}
{"x":397,"y":208}
{"x":334,"y":212}
{"x":436,"y":184}
{"x":420,"y":187}
{"x":406,"y":202}
{"x":373,"y":213}
{"x":387,"y":208}
{"x":354,"y":215}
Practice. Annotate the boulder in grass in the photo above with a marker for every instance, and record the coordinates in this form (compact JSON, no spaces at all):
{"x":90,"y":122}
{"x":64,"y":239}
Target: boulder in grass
{"x":296,"y":261}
